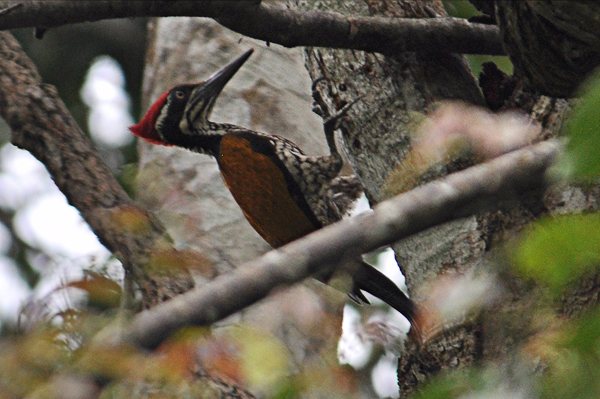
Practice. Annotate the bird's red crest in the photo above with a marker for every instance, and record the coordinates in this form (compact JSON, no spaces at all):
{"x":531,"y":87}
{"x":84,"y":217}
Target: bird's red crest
{"x":146,"y":127}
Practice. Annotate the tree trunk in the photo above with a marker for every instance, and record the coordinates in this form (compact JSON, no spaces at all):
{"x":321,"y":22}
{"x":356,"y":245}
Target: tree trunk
{"x":271,"y":93}
{"x":396,"y":90}
{"x":554,"y":45}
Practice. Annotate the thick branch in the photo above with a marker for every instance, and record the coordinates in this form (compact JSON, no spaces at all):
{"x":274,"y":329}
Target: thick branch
{"x":267,"y":22}
{"x":41,"y":124}
{"x":456,"y":195}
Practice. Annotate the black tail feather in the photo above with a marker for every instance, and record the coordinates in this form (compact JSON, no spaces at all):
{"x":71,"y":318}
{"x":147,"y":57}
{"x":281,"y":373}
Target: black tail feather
{"x":374,"y":282}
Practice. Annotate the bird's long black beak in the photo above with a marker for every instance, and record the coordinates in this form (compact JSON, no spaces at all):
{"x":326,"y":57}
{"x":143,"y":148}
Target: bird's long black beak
{"x":219,"y":79}
{"x":205,"y":94}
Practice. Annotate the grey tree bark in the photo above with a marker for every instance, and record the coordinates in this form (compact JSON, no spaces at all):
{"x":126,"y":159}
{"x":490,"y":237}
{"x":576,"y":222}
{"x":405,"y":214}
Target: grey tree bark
{"x":185,"y":189}
{"x":397,"y":92}
{"x":400,"y":88}
{"x":271,"y":93}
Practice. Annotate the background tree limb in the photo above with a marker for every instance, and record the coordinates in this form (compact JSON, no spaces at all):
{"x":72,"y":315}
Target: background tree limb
{"x":263,"y":21}
{"x":41,"y":124}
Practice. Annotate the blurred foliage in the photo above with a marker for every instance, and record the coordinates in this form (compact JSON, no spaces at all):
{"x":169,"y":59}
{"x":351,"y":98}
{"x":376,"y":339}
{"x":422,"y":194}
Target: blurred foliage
{"x":554,"y":252}
{"x":192,"y":363}
{"x":102,"y":291}
{"x":462,"y":384}
{"x":582,"y":159}
{"x":574,"y":363}
{"x":568,"y":352}
{"x":557,"y":251}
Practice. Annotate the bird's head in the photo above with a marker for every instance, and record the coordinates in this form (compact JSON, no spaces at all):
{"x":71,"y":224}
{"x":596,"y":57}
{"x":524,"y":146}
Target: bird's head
{"x":184,"y":110}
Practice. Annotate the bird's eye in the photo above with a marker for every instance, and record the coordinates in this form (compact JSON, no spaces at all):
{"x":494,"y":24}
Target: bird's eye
{"x":180,"y":95}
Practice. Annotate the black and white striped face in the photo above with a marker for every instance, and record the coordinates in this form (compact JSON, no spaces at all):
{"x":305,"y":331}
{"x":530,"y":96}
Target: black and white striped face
{"x":173,"y":119}
{"x":167,"y":122}
{"x":188,"y":107}
{"x":184,"y":110}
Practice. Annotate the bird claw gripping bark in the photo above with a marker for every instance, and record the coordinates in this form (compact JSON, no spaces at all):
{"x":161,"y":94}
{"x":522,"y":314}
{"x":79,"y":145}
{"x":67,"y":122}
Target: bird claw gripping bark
{"x":331,"y":121}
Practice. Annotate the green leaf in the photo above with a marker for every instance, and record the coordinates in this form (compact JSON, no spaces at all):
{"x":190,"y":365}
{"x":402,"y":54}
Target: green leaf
{"x":573,"y":369}
{"x":557,"y":251}
{"x":585,"y":338}
{"x":460,"y":8}
{"x":583,"y":130}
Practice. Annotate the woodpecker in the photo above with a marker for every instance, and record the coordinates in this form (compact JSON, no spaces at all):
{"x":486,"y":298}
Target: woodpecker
{"x":283,"y":193}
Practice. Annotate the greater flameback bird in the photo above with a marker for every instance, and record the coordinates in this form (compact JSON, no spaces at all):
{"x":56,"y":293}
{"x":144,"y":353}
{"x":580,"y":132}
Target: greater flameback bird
{"x":283,"y":193}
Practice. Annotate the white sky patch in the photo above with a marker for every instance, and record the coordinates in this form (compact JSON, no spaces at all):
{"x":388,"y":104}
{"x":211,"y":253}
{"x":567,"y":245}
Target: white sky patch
{"x":13,"y":290}
{"x":352,"y":349}
{"x":49,"y":223}
{"x":22,"y":177}
{"x":104,"y":93}
{"x":387,"y":264}
{"x":385,"y":378}
{"x":44,"y":220}
{"x":361,"y":206}
{"x":5,"y":239}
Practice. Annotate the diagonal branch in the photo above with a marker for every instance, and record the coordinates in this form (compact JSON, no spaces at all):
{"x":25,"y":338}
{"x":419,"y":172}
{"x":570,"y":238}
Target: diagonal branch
{"x":288,"y":27}
{"x":457,"y":195}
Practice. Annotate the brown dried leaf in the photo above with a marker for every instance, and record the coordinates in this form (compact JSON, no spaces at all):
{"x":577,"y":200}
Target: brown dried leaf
{"x":131,"y":220}
{"x":170,"y":260}
{"x":102,"y":291}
